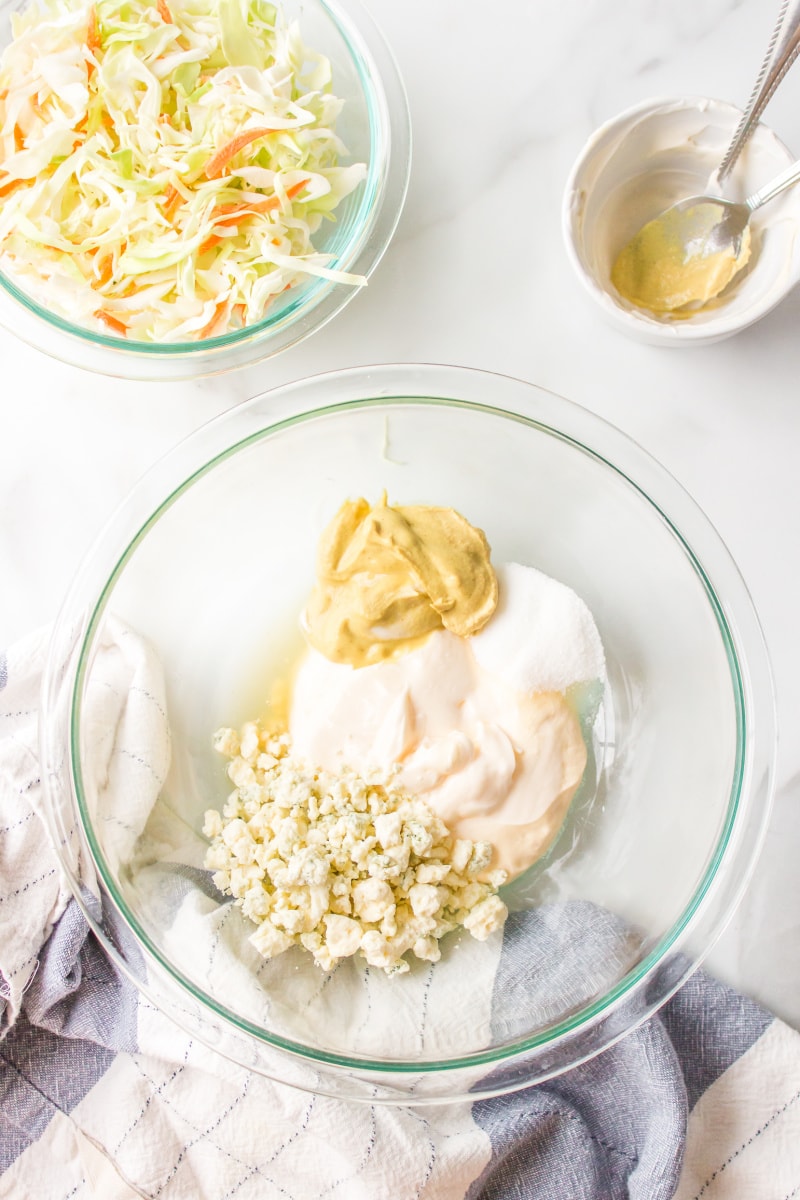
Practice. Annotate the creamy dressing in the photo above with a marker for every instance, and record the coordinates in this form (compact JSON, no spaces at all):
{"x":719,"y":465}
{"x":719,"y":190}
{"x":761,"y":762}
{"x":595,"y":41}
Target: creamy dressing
{"x":426,"y":665}
{"x":481,"y":753}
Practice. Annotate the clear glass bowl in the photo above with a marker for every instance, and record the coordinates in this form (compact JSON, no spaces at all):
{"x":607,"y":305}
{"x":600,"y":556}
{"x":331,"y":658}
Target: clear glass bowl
{"x":375,"y":127}
{"x":210,"y":560}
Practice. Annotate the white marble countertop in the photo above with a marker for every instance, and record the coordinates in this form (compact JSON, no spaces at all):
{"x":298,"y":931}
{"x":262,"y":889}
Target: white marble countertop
{"x":502,"y":97}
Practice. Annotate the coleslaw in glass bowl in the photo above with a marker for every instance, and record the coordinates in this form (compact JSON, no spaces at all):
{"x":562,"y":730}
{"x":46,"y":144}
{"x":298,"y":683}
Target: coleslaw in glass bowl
{"x":190,"y":185}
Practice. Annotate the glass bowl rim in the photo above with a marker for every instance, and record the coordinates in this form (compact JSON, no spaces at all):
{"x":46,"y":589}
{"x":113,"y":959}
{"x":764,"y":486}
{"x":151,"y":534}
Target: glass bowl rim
{"x":633,"y":981}
{"x":352,"y":24}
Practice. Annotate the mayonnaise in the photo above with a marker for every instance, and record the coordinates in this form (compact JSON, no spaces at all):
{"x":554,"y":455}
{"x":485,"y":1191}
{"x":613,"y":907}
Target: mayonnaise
{"x":478,"y":751}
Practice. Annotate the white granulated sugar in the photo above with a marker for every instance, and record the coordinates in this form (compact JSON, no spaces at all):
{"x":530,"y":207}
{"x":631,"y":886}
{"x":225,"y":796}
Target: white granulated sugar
{"x":541,"y":637}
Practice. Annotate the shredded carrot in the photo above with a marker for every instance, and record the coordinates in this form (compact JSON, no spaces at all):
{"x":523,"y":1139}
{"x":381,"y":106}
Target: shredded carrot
{"x":172,"y":200}
{"x":237,"y":215}
{"x":240,"y":310}
{"x":164,"y":13}
{"x":232,"y":214}
{"x":223,"y":210}
{"x":227,"y":215}
{"x":19,"y":138}
{"x":217,"y":163}
{"x":220,"y":311}
{"x":112,"y":322}
{"x":293,"y":190}
{"x":93,"y":41}
{"x":106,"y":271}
{"x":209,"y":243}
{"x":7,"y":188}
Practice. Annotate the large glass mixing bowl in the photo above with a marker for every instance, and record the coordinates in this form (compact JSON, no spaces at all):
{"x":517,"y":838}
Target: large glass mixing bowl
{"x":375,"y":128}
{"x":208,"y":564}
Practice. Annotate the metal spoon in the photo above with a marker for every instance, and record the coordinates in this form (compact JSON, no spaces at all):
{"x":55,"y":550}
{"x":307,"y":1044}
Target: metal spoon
{"x":707,"y":225}
{"x":690,"y":254}
{"x":783,"y":49}
{"x":648,"y":270}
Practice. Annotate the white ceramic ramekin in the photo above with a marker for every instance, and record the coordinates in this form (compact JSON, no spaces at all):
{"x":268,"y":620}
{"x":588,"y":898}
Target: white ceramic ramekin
{"x":637,"y":164}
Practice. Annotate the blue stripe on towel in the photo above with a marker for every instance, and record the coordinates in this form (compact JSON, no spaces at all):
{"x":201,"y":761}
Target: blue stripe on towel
{"x":614,"y":1127}
{"x":42,"y":1073}
{"x":76,"y":992}
{"x":77,"y":1014}
{"x":710,"y":1026}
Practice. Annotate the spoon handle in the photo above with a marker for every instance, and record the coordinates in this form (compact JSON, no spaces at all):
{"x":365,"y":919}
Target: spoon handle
{"x":783,"y":49}
{"x":775,"y":186}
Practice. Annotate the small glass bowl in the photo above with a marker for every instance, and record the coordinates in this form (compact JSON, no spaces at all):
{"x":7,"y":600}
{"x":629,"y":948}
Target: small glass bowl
{"x":650,"y":156}
{"x":375,"y":127}
{"x":210,"y":560}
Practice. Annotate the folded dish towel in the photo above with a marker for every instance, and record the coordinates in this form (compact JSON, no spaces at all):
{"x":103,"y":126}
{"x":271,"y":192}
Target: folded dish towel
{"x":102,"y":1096}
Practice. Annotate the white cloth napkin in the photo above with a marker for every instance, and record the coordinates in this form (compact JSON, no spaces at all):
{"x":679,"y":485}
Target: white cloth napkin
{"x":103,"y":1096}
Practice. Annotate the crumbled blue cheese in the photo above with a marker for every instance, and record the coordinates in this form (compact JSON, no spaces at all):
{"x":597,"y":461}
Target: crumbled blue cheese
{"x":341,"y":864}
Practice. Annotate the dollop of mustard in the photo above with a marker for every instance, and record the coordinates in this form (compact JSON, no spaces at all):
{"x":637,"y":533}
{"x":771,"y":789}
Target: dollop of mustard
{"x":388,"y":576}
{"x":653,"y":270}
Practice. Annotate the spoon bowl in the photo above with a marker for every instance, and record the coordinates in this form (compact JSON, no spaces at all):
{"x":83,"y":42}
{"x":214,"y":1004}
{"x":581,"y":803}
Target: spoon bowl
{"x":689,"y":254}
{"x":708,"y":225}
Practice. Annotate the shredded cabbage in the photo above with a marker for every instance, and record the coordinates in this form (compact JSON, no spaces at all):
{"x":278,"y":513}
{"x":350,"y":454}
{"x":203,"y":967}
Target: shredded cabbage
{"x":164,"y":164}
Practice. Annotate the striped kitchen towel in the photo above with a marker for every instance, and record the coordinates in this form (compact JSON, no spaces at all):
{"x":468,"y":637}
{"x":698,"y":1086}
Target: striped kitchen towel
{"x":102,"y":1096}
